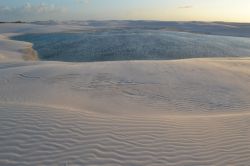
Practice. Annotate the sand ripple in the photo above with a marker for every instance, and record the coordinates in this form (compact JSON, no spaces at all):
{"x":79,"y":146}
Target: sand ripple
{"x":33,"y":135}
{"x":188,"y":112}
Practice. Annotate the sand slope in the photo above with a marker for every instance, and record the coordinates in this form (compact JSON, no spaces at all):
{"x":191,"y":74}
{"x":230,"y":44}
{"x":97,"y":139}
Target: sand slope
{"x":178,"y":87}
{"x":187,"y":112}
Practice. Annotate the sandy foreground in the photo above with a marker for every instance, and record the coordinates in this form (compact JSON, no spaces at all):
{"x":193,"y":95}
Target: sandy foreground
{"x":133,"y":113}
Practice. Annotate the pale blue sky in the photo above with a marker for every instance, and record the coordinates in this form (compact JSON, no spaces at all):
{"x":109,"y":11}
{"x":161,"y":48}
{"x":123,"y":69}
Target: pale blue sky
{"x":179,"y":10}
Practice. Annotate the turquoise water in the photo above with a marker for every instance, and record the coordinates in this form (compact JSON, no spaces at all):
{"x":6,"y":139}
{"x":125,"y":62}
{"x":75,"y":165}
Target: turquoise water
{"x":132,"y":44}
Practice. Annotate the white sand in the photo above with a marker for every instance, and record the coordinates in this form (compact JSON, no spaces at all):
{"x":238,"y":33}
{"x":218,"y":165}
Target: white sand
{"x":183,"y":112}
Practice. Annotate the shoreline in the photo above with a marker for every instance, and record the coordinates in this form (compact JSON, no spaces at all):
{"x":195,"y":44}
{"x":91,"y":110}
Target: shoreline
{"x":25,"y":51}
{"x":84,"y":54}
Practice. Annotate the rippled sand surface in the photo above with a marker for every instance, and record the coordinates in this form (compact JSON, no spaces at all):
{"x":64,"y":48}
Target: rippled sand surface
{"x":131,"y":113}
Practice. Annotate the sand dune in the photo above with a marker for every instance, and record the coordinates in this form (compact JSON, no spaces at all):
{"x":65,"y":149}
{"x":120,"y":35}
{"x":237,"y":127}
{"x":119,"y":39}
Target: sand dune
{"x":131,"y":113}
{"x":187,"y":112}
{"x":178,"y":87}
{"x":34,"y":135}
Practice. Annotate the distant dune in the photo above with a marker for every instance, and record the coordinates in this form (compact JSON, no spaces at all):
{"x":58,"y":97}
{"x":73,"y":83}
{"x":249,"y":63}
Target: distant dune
{"x":143,"y":113}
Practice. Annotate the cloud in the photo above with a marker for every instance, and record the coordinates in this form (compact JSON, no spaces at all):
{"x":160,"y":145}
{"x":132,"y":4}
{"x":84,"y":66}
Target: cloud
{"x":42,"y":8}
{"x":5,"y":8}
{"x":31,"y":12}
{"x":82,"y":1}
{"x":185,"y":7}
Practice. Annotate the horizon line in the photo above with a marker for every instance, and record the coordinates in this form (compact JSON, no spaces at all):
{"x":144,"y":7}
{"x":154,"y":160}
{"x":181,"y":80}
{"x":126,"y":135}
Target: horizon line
{"x":103,"y":20}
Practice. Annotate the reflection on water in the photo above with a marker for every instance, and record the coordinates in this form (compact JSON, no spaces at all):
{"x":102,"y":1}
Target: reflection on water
{"x":130,"y":44}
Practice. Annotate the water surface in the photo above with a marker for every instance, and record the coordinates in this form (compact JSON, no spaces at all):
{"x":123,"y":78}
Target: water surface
{"x":134,"y":44}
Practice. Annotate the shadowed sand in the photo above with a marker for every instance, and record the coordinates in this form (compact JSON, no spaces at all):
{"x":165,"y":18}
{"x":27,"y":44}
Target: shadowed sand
{"x":182,"y":112}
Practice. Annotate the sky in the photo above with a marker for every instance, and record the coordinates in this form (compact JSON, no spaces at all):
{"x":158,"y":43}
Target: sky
{"x":165,"y":10}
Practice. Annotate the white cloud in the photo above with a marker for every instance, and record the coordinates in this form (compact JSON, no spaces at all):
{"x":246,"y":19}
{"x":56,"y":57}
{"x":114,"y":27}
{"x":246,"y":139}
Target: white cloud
{"x":185,"y":7}
{"x":42,"y":8}
{"x":82,"y":1}
{"x":27,"y":5}
{"x":31,"y":12}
